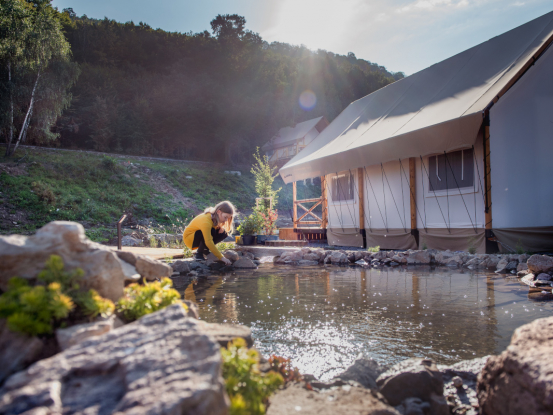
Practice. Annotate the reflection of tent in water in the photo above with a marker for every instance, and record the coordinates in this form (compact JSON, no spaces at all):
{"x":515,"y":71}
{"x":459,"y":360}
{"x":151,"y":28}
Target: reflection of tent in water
{"x":420,"y":161}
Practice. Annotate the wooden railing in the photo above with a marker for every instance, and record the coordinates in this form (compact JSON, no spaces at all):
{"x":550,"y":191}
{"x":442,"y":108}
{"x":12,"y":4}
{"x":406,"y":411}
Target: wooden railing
{"x":308,"y":211}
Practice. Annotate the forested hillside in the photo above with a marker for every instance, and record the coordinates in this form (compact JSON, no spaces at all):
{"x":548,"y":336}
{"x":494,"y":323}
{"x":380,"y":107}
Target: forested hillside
{"x":206,"y":96}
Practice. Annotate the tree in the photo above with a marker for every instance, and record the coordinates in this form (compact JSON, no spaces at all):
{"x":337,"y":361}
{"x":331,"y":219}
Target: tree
{"x":264,"y":176}
{"x":40,"y":72}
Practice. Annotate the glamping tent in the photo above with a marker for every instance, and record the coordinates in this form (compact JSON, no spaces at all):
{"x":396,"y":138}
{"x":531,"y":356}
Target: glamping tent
{"x":458,"y":155}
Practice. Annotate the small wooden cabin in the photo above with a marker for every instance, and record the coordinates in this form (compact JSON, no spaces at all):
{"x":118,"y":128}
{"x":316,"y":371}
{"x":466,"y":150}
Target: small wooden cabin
{"x":289,"y":141}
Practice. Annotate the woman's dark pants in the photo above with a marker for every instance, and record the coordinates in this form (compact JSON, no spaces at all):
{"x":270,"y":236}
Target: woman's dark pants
{"x":199,"y":241}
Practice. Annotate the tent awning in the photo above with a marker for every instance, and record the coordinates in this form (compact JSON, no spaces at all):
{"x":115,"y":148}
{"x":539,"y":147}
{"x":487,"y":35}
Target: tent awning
{"x":437,"y":109}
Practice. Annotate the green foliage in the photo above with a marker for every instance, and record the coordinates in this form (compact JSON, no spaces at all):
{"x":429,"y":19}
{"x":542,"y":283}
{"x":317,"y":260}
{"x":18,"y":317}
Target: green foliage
{"x":519,"y":248}
{"x":38,"y":310}
{"x":187,"y":252}
{"x":424,"y":246}
{"x":471,"y":246}
{"x":33,"y":310}
{"x":264,"y":176}
{"x":140,"y":300}
{"x":224,"y":246}
{"x":251,"y":224}
{"x":109,"y":163}
{"x":248,"y":389}
{"x":373,"y":248}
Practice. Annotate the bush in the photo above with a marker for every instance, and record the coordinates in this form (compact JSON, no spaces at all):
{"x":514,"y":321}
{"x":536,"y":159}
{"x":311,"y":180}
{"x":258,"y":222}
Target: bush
{"x":44,"y":192}
{"x":33,"y":310}
{"x":374,"y":248}
{"x":140,"y":300}
{"x":251,"y":224}
{"x":248,"y":389}
{"x":38,"y":310}
{"x":109,"y":163}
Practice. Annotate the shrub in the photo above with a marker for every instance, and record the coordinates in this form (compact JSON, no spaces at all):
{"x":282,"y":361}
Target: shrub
{"x":33,"y":310}
{"x":223,"y":246}
{"x":374,"y":248}
{"x":44,"y":192}
{"x":38,"y":310}
{"x":264,"y":176}
{"x":140,"y":300}
{"x":248,"y":389}
{"x":251,"y":224}
{"x":187,"y":252}
{"x":269,"y":219}
{"x":109,"y":163}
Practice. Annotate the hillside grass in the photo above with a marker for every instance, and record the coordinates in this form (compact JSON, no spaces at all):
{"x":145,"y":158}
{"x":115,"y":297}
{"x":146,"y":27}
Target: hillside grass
{"x":96,"y":190}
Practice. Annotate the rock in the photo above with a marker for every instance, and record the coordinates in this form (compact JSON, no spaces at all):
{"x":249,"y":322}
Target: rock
{"x":454,"y":261}
{"x":540,"y":263}
{"x":223,"y":333}
{"x":522,"y":267}
{"x":492,"y":261}
{"x":441,"y":257}
{"x":248,"y":255}
{"x":412,"y":378}
{"x":361,"y":262}
{"x":400,"y":259}
{"x":520,"y":380}
{"x":180,"y":266}
{"x":25,"y":256}
{"x":162,"y":363}
{"x":312,"y":257}
{"x":76,"y":334}
{"x":364,"y":372}
{"x":528,"y":279}
{"x":351,"y":257}
{"x":414,"y":406}
{"x":305,"y":262}
{"x":543,"y":277}
{"x":457,"y":381}
{"x":296,"y":399}
{"x":167,"y":238}
{"x":194,"y":265}
{"x":210,"y":259}
{"x":192,"y":311}
{"x":305,"y":250}
{"x":501,"y":265}
{"x":245,"y":263}
{"x":338,"y":258}
{"x":523,"y":258}
{"x":419,"y":257}
{"x":128,"y":240}
{"x":17,"y":351}
{"x":151,"y":269}
{"x":231,"y":255}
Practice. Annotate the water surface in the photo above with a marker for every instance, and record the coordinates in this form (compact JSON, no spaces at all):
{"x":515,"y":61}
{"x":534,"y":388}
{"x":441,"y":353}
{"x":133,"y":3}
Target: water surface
{"x":324,"y":318}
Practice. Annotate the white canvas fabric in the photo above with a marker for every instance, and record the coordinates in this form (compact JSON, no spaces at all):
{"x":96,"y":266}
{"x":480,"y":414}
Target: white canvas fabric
{"x":435,"y":110}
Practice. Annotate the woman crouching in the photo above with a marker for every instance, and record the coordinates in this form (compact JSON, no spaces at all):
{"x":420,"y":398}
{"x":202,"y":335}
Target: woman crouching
{"x":208,"y":229}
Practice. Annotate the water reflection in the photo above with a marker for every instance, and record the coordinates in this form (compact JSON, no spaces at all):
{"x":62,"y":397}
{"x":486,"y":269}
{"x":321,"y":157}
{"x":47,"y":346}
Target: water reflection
{"x":324,"y":318}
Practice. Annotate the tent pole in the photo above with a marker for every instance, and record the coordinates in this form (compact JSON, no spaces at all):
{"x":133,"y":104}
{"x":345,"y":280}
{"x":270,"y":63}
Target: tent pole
{"x":487,"y":173}
{"x":295,"y":211}
{"x":360,"y":188}
{"x":324,"y":204}
{"x":413,"y":199}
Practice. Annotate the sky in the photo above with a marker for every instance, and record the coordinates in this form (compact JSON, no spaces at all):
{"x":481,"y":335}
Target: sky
{"x":402,"y":35}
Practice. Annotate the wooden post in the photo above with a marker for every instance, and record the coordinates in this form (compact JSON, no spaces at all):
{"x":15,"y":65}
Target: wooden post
{"x":487,"y":176}
{"x":295,"y":211}
{"x":413,"y":190}
{"x":361,"y":198}
{"x":324,"y":205}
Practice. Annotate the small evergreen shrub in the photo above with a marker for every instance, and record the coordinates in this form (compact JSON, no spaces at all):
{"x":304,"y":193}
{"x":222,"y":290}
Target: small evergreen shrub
{"x":39,"y":310}
{"x":33,"y":310}
{"x":248,"y":389}
{"x":140,"y":300}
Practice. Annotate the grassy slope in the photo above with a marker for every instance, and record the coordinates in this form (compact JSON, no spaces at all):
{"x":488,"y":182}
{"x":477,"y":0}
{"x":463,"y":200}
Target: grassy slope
{"x":95,"y":190}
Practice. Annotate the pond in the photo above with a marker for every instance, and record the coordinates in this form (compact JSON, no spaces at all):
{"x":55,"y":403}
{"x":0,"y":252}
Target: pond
{"x":324,"y":318}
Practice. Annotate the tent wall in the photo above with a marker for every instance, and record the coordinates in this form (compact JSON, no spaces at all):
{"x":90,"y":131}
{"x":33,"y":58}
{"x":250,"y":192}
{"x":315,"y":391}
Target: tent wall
{"x":521,"y":146}
{"x":454,"y":219}
{"x":387,"y":206}
{"x":343,"y":216}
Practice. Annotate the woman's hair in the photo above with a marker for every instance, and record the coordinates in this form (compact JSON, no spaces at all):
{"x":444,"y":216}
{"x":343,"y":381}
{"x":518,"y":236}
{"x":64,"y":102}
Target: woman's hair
{"x":225,"y":207}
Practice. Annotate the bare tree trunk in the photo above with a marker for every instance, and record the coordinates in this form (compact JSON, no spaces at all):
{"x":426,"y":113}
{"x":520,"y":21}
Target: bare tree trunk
{"x":27,"y":119}
{"x":10,"y":133}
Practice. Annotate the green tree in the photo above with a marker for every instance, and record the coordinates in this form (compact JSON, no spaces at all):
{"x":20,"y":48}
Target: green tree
{"x":37,"y":57}
{"x":264,"y":176}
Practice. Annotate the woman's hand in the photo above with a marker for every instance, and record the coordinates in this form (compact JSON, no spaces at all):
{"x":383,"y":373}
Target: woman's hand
{"x":226,"y":261}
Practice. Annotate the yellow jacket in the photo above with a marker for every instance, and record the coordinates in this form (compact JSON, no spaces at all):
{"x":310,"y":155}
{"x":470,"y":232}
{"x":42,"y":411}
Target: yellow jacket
{"x":203,"y":223}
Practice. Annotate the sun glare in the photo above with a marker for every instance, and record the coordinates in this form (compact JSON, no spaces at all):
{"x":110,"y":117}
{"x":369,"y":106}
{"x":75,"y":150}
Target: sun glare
{"x":308,"y":100}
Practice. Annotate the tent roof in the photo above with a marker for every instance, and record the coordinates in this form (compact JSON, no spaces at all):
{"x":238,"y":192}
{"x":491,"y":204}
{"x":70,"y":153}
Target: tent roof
{"x":289,"y":135}
{"x":437,"y":109}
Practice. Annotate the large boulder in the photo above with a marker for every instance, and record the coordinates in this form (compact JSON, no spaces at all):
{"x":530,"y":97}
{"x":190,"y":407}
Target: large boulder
{"x":338,"y":257}
{"x":224,"y":333}
{"x":245,"y":263}
{"x":181,"y":266}
{"x":414,"y":378}
{"x":162,"y":363}
{"x":540,"y":263}
{"x":25,"y":256}
{"x":231,"y":255}
{"x":520,"y":380}
{"x":80,"y":332}
{"x":296,"y":399}
{"x":149,"y":268}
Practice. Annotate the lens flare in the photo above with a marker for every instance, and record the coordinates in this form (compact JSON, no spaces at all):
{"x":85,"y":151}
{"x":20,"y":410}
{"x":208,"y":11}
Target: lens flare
{"x":308,"y":100}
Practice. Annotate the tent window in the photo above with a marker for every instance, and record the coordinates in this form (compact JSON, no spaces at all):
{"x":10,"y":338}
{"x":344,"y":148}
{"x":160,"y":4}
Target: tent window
{"x":342,"y":187}
{"x":440,"y":170}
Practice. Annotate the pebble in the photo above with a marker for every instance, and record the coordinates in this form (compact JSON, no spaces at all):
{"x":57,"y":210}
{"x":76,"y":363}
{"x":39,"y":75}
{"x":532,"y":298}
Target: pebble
{"x":457,"y":381}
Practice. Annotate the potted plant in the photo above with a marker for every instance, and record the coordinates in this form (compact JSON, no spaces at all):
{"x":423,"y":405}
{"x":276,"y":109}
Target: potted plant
{"x":269,"y":218}
{"x":249,"y":227}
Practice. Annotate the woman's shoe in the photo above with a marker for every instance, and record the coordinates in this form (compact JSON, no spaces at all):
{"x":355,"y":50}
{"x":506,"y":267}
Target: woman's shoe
{"x":199,"y":256}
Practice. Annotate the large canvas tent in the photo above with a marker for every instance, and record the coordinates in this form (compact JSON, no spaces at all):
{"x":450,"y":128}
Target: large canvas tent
{"x":482,"y":120}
